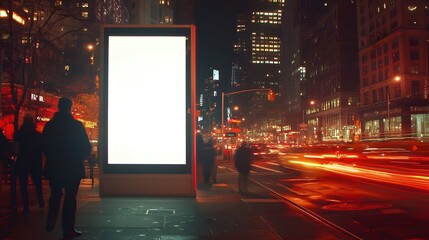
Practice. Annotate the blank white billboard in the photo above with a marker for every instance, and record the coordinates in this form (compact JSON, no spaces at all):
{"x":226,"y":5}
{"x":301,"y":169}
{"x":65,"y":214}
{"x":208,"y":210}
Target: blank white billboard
{"x":146,"y":100}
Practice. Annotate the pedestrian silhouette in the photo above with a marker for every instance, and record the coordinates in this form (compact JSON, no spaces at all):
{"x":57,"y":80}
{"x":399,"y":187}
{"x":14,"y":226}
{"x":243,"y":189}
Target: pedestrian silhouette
{"x":243,"y":159}
{"x":66,"y":145}
{"x":214,"y":167}
{"x":29,"y":160}
{"x":208,"y":159}
{"x":4,"y":144}
{"x":199,"y":144}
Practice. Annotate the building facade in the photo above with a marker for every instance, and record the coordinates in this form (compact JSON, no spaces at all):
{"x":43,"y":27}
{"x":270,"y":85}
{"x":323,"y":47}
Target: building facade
{"x":209,"y":105}
{"x":332,"y":73}
{"x":298,"y":15}
{"x":256,"y":60}
{"x":150,"y":11}
{"x":393,"y":56}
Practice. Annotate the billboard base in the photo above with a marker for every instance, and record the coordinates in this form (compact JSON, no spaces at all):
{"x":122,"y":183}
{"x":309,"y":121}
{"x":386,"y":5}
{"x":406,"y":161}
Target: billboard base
{"x":177,"y":185}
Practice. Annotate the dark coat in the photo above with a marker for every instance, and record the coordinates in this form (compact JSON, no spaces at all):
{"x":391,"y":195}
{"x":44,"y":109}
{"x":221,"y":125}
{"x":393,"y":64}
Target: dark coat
{"x":3,"y":144}
{"x":66,"y":145}
{"x":243,"y":159}
{"x":29,"y":157}
{"x":208,"y":154}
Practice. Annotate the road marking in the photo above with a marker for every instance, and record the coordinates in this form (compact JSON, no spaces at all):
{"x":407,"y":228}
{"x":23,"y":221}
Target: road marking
{"x":260,"y":200}
{"x":274,"y":163}
{"x":268,"y":169}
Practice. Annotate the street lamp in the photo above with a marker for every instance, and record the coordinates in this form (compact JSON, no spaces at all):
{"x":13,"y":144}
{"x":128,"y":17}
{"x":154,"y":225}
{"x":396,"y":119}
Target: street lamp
{"x":396,"y":79}
{"x":90,"y":48}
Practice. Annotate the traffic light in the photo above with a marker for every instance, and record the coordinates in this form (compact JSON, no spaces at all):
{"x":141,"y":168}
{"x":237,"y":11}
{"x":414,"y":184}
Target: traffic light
{"x":271,"y":96}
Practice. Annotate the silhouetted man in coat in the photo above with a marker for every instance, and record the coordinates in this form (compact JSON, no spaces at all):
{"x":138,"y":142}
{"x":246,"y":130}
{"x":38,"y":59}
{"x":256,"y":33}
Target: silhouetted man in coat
{"x":243,"y":160}
{"x":66,"y":145}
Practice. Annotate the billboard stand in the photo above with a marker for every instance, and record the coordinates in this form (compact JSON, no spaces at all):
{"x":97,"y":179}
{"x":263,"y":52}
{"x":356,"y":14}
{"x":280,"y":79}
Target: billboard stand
{"x":147,"y":106}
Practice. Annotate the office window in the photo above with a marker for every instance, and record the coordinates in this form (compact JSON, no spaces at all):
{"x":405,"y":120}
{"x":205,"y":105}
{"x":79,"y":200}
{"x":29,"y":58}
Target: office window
{"x":365,"y":81}
{"x":395,"y":56}
{"x":414,"y":55}
{"x":374,"y":96}
{"x":381,"y":94}
{"x":364,"y":58}
{"x":414,"y":42}
{"x":380,"y":76}
{"x":366,"y":98}
{"x":415,"y":87}
{"x":395,"y":44}
{"x":385,"y":48}
{"x":415,"y":69}
{"x":397,"y":69}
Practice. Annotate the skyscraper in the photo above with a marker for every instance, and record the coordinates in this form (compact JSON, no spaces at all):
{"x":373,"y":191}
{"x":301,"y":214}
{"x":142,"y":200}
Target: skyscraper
{"x":256,"y":59}
{"x":321,"y":67}
{"x":298,"y":15}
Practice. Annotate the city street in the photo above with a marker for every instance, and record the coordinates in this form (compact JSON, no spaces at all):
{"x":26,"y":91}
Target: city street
{"x":292,"y":199}
{"x":363,"y":199}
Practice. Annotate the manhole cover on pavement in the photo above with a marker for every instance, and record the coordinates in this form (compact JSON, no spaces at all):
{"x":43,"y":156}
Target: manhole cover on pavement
{"x":356,"y":206}
{"x":161,"y":211}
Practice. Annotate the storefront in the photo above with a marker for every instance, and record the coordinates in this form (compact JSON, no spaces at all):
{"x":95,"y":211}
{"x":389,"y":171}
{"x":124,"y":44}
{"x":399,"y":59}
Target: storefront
{"x":39,"y":104}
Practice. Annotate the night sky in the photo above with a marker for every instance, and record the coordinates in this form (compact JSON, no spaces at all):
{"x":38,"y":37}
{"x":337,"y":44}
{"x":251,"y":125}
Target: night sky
{"x":215,"y":22}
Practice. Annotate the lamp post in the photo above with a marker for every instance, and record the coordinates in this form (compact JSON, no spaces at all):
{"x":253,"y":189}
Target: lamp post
{"x":396,"y":79}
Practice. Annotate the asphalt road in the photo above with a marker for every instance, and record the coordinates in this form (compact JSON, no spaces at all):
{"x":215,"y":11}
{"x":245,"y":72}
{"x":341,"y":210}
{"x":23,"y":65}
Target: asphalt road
{"x":371,"y":204}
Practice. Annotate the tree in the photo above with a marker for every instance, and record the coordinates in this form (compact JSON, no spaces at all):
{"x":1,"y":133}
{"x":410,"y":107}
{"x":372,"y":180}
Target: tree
{"x":36,"y":43}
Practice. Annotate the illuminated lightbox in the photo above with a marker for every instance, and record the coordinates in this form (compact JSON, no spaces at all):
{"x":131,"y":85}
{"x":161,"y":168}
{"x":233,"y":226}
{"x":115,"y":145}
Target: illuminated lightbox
{"x":147,"y":95}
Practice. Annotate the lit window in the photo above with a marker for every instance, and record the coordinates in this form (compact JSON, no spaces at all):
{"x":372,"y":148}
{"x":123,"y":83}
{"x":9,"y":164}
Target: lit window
{"x":24,"y":40}
{"x":85,"y":5}
{"x":85,"y":14}
{"x":67,"y":67}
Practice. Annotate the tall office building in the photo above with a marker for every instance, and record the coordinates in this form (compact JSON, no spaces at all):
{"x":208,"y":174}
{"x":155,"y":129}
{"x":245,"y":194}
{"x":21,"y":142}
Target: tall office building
{"x":209,"y":104}
{"x":256,"y":58}
{"x":331,"y":57}
{"x":298,"y":15}
{"x":394,"y":60}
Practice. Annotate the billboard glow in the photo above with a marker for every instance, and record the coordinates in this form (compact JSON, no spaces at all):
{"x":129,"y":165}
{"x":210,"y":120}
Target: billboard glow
{"x":146,"y":97}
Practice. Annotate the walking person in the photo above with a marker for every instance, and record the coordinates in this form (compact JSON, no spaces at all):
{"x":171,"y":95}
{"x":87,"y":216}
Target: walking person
{"x":66,"y":145}
{"x":29,"y":160}
{"x":209,"y":156}
{"x":4,"y":145}
{"x":243,"y":159}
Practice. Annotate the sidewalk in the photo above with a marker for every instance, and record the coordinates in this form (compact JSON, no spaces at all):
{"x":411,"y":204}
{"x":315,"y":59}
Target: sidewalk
{"x":217,"y":212}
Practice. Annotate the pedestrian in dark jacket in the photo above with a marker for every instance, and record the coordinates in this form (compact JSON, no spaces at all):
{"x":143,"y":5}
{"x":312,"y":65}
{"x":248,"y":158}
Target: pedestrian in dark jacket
{"x":29,"y":160}
{"x":4,"y":145}
{"x":209,"y":155}
{"x":243,"y":159}
{"x":66,"y":145}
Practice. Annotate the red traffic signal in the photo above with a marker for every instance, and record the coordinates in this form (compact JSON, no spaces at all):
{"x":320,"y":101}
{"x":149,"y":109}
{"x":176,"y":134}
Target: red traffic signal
{"x":271,"y":96}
